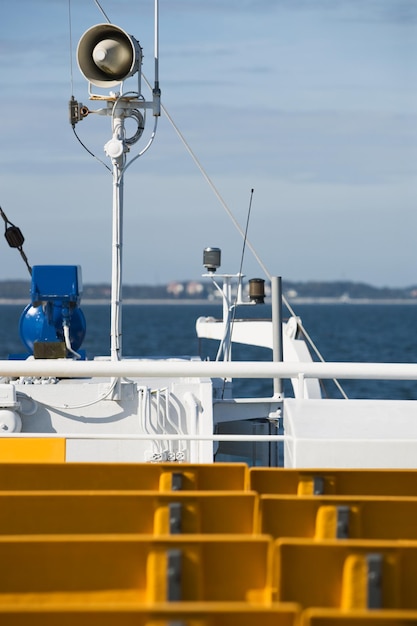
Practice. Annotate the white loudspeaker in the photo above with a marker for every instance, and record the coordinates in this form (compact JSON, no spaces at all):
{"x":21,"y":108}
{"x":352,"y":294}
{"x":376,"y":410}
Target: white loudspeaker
{"x":107,"y":55}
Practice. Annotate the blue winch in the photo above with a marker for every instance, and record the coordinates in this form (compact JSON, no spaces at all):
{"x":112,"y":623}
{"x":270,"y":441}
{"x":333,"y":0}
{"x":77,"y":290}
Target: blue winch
{"x":53,"y":325}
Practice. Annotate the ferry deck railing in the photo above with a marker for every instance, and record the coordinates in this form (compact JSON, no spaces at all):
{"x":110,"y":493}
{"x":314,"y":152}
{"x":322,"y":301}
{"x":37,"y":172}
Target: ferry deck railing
{"x":207,"y":369}
{"x":135,"y":368}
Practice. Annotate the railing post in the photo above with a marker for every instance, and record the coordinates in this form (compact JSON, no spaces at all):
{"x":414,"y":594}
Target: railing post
{"x":300,"y":394}
{"x":277,"y":348}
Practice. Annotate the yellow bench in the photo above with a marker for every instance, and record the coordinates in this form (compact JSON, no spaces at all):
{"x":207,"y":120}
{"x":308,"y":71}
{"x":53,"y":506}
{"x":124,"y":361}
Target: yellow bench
{"x":381,"y":482}
{"x":344,"y":517}
{"x":333,"y":617}
{"x":151,"y":512}
{"x":197,"y":614}
{"x":124,"y":476}
{"x":350,"y":575}
{"x":130,"y":569}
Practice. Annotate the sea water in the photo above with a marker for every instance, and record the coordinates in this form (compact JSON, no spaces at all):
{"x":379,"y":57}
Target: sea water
{"x":341,"y":332}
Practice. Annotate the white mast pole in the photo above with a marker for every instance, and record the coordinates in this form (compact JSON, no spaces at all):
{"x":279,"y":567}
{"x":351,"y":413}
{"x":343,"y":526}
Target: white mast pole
{"x":100,"y":61}
{"x":116,"y":150}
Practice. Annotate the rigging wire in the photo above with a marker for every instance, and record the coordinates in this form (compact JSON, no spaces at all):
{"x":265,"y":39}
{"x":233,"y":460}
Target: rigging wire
{"x":216,"y":193}
{"x":107,"y":393}
{"x":239,"y":280}
{"x":210,"y":182}
{"x":14,"y":238}
{"x":231,"y":314}
{"x":153,"y":133}
{"x":145,"y":149}
{"x":238,"y":227}
{"x":72,"y":89}
{"x":100,"y":8}
{"x":89,"y":151}
{"x":245,"y":237}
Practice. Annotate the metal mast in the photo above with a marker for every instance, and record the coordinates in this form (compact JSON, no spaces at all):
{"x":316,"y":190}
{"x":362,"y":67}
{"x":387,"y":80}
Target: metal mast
{"x":107,"y":56}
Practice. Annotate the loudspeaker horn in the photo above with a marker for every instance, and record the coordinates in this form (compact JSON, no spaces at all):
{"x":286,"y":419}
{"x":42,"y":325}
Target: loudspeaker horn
{"x":107,"y":55}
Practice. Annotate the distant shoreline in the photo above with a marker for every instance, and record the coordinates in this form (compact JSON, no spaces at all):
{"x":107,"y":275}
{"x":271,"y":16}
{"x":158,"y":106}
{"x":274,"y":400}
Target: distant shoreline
{"x":185,"y":302}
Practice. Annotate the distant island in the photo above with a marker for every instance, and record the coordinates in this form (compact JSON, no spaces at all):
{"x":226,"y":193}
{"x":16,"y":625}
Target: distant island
{"x":189,"y":291}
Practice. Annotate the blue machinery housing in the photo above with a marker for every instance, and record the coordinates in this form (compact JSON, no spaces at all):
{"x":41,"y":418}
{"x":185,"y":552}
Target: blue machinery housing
{"x":55,"y":297}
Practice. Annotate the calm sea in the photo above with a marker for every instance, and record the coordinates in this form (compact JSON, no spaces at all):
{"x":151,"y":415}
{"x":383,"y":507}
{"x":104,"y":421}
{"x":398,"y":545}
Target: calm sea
{"x":341,"y":332}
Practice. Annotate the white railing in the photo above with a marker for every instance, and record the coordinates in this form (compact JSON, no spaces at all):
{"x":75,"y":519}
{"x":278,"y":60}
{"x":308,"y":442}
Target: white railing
{"x":206,"y":369}
{"x":145,"y":437}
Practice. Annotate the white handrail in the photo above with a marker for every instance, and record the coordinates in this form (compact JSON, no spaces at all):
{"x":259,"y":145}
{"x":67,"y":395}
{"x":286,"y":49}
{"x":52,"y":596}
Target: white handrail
{"x":206,"y":369}
{"x":145,"y":437}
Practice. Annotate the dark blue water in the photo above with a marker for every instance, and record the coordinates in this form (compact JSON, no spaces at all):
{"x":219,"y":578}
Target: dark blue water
{"x":345,"y":332}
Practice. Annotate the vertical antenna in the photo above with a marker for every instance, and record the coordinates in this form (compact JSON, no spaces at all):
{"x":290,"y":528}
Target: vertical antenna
{"x":70,"y":45}
{"x":231,"y":318}
{"x":245,"y":237}
{"x":156,"y":90}
{"x":246,"y":233}
{"x":156,"y":51}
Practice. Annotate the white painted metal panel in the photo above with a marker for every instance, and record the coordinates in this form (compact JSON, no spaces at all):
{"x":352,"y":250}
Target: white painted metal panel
{"x":350,"y":433}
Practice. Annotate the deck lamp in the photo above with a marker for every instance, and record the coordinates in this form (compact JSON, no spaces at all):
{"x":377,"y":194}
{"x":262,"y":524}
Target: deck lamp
{"x":211,"y":259}
{"x":107,"y":55}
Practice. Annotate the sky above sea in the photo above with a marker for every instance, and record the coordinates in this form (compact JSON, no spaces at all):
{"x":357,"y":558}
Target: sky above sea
{"x":310,"y":103}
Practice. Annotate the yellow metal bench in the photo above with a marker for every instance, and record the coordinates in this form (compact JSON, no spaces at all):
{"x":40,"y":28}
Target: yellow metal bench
{"x":333,"y":617}
{"x":349,"y":575}
{"x":123,"y":476}
{"x":343,"y":517}
{"x":367,"y":482}
{"x":196,"y":614}
{"x":129,"y":569}
{"x":151,"y":512}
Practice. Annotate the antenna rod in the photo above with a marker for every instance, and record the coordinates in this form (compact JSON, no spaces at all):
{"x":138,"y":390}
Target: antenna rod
{"x":245,"y":237}
{"x":156,"y":92}
{"x":156,"y":53}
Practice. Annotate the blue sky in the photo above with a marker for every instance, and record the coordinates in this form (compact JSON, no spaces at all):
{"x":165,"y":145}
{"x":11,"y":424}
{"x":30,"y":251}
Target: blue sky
{"x":312,"y":103}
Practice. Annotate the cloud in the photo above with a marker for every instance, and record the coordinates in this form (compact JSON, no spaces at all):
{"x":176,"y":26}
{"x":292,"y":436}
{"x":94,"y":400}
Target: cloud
{"x":394,"y":11}
{"x":311,"y":102}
